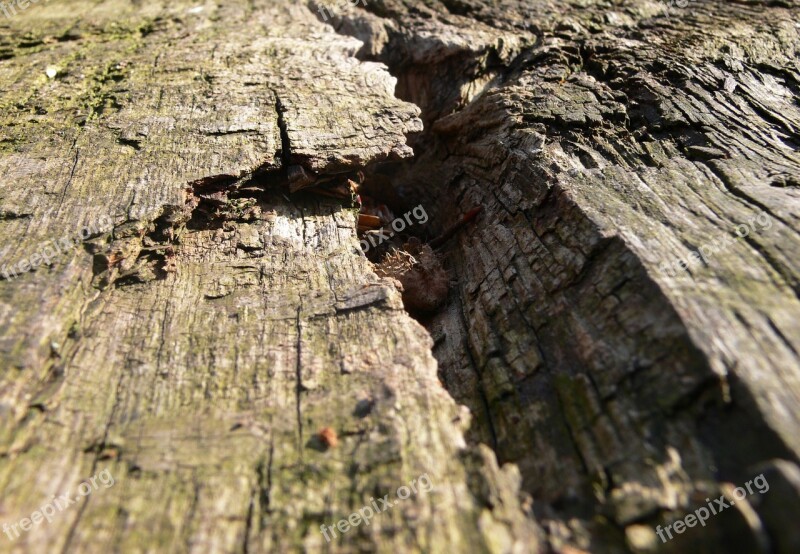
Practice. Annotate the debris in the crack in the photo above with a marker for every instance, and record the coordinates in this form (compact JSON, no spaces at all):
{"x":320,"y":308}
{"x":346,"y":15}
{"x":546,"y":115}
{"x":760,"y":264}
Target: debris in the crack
{"x":415,"y":266}
{"x":170,"y":260}
{"x":425,"y":283}
{"x":342,"y":186}
{"x":344,"y":190}
{"x":368,"y":222}
{"x":371,"y":206}
{"x":211,"y":202}
{"x":328,"y":437}
{"x":298,"y":178}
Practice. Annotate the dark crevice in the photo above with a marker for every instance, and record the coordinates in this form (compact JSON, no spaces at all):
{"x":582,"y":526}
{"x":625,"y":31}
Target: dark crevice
{"x":636,"y":367}
{"x":264,"y":488}
{"x":8,"y":215}
{"x":286,"y":148}
{"x":133,"y":143}
{"x":299,"y":376}
{"x":248,"y":525}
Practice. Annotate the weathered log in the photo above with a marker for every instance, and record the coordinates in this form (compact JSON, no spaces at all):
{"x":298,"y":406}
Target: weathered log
{"x":224,"y":349}
{"x":604,"y":148}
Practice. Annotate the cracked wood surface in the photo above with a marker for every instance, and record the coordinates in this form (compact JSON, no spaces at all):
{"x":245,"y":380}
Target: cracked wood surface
{"x":195,"y":350}
{"x":603,"y":142}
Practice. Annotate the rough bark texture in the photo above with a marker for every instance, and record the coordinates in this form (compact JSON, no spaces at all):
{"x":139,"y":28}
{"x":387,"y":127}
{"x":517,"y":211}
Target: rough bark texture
{"x":197,"y":347}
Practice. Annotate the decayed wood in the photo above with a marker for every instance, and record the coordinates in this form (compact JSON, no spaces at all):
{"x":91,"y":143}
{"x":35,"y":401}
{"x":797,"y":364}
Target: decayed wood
{"x":606,"y":145}
{"x":195,"y":351}
{"x":198,"y":348}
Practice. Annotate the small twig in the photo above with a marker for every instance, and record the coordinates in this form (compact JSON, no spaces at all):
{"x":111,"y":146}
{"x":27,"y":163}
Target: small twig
{"x":453,"y":229}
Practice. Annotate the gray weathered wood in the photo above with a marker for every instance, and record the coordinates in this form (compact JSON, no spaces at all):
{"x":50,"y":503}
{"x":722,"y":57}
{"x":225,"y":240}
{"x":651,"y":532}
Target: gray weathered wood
{"x":603,"y":145}
{"x":196,"y":349}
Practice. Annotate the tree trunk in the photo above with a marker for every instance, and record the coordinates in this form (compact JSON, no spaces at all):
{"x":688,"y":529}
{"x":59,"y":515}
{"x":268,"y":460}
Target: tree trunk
{"x":186,"y":309}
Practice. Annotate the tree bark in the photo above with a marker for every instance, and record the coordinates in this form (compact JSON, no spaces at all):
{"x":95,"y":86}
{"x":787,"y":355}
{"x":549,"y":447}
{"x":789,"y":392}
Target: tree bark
{"x":622,"y":323}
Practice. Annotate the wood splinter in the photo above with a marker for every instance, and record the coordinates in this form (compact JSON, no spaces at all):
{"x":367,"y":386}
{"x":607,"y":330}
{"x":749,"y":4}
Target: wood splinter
{"x":328,"y":437}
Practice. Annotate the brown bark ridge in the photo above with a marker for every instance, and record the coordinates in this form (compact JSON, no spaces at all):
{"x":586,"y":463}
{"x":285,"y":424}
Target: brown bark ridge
{"x":197,"y":345}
